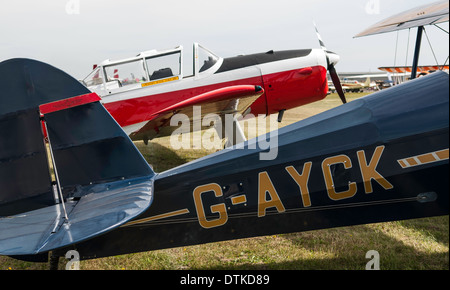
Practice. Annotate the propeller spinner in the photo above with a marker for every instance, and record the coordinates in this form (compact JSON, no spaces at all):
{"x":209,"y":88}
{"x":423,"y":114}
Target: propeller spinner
{"x":332,"y":59}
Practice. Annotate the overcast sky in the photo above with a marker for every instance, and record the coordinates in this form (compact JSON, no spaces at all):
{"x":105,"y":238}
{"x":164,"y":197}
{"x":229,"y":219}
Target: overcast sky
{"x":75,"y":34}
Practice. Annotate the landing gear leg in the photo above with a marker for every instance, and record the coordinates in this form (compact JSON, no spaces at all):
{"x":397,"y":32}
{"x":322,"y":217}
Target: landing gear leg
{"x":231,"y":130}
{"x":54,"y":261}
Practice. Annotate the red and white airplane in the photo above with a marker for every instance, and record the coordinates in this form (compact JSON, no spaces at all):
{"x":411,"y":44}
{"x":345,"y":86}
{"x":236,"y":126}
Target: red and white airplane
{"x":143,"y":92}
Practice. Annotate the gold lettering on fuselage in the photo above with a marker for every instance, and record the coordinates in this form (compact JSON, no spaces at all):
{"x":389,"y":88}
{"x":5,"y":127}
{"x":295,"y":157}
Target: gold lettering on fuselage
{"x":268,"y":196}
{"x":369,"y":171}
{"x":217,"y":208}
{"x":302,"y":181}
{"x":328,"y":178}
{"x":265,"y":186}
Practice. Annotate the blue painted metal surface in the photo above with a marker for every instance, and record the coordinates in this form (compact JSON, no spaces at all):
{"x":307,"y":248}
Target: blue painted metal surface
{"x":416,"y":107}
{"x":105,"y":180}
{"x":97,"y":212}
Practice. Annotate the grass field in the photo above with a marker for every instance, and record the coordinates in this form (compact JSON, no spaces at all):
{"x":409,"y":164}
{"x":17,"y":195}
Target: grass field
{"x":420,"y":244}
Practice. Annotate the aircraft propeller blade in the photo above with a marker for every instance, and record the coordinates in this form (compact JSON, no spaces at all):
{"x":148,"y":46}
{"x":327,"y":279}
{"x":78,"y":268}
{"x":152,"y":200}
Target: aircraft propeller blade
{"x":330,"y":67}
{"x":336,"y":82}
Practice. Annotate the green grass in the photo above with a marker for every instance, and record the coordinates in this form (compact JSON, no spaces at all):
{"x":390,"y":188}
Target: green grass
{"x":417,"y":244}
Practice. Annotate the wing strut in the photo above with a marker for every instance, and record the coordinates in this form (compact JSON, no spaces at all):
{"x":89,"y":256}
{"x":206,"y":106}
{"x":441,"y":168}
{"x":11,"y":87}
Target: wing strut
{"x":417,"y":52}
{"x":232,"y":131}
{"x":58,"y":184}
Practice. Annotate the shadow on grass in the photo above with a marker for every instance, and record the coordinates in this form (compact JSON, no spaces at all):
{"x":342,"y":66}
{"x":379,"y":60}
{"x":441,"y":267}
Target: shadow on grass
{"x":342,"y":248}
{"x":331,"y":264}
{"x":345,"y":248}
{"x":438,"y":231}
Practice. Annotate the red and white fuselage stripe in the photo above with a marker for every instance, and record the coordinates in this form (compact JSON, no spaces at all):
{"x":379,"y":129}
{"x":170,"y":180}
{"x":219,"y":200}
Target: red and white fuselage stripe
{"x":287,"y":83}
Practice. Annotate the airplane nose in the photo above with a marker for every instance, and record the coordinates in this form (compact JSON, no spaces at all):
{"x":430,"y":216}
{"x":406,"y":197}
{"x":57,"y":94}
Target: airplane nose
{"x":333,"y":57}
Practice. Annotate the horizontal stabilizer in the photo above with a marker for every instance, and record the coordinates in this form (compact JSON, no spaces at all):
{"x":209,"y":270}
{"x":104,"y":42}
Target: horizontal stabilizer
{"x":45,"y":229}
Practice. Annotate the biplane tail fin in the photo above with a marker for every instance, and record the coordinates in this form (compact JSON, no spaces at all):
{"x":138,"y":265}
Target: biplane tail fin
{"x":61,"y":156}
